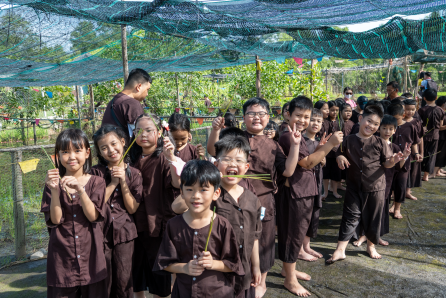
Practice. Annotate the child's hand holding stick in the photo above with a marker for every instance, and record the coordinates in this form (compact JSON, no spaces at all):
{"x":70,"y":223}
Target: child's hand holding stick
{"x":53,"y":173}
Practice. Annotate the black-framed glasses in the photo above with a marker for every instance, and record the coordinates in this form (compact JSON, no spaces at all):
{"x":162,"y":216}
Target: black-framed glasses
{"x":259,"y":114}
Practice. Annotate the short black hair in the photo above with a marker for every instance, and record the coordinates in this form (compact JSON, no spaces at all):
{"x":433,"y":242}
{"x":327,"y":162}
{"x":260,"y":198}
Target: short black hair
{"x":410,"y":102}
{"x":230,"y":120}
{"x":373,"y":110}
{"x":440,"y":101}
{"x":395,"y":109}
{"x":394,"y":85}
{"x":178,"y":122}
{"x":273,"y":125}
{"x":332,"y":103}
{"x":230,"y":143}
{"x":397,"y":100}
{"x":301,"y":102}
{"x":389,"y":120}
{"x":255,"y":101}
{"x":319,"y":104}
{"x":430,"y":94}
{"x":231,"y":131}
{"x":427,"y":74}
{"x":201,"y":171}
{"x":138,"y":76}
{"x":76,"y":138}
{"x":317,"y":113}
{"x":374,"y":102}
{"x":285,"y":106}
{"x":407,"y":95}
{"x":385,"y":103}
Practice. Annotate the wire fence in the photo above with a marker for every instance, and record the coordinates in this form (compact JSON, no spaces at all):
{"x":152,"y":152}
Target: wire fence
{"x":23,"y":170}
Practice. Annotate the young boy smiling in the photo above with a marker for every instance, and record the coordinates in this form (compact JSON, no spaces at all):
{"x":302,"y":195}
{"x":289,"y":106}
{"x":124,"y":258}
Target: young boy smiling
{"x":182,"y":250}
{"x":297,"y":197}
{"x":365,"y":156}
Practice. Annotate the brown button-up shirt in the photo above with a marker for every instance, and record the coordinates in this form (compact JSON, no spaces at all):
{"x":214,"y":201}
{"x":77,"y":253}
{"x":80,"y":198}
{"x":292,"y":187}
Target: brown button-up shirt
{"x":311,"y":145}
{"x":406,"y":133}
{"x":75,"y":250}
{"x":282,"y":128}
{"x":366,"y":158}
{"x":189,"y":152}
{"x":390,"y":172}
{"x":355,"y":116}
{"x":435,"y":116}
{"x":157,"y":195}
{"x":116,"y":215}
{"x":182,"y":244}
{"x":302,"y":182}
{"x":266,"y":157}
{"x":244,"y":217}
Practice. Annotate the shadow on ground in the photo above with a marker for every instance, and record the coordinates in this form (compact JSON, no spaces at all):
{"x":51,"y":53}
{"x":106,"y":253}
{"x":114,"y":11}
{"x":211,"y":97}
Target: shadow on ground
{"x":414,"y":265}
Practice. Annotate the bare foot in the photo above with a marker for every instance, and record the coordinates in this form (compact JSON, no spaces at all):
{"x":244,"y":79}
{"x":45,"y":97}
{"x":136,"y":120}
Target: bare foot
{"x":296,"y":288}
{"x":336,"y":195}
{"x":411,"y":197}
{"x":360,"y":241}
{"x":383,"y":242}
{"x":341,"y":187}
{"x":442,"y":171}
{"x":373,"y":253}
{"x":441,"y":174}
{"x":312,"y":252}
{"x":299,"y":275}
{"x":392,"y":210}
{"x":338,"y":255}
{"x":425,"y":178}
{"x":397,"y":215}
{"x":303,"y":255}
{"x":260,"y":291}
{"x":324,"y":196}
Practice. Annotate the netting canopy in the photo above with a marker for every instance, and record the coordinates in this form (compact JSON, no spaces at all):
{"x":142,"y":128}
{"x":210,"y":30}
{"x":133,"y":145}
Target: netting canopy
{"x":68,"y":42}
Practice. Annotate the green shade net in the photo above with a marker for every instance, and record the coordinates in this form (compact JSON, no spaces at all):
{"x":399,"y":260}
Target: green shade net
{"x":67,"y":42}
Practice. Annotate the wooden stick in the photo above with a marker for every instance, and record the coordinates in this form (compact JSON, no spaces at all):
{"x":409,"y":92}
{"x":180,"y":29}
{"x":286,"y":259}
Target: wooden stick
{"x":426,"y":156}
{"x":122,"y":158}
{"x":69,"y":195}
{"x":210,"y":230}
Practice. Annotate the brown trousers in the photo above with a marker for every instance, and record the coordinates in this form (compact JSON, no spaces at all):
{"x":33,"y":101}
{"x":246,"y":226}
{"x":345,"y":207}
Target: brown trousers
{"x":96,"y":290}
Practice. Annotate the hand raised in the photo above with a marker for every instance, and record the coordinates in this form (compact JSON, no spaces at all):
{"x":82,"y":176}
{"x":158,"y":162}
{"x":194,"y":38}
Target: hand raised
{"x":201,"y":151}
{"x":52,"y":179}
{"x":336,"y":138}
{"x":295,"y":135}
{"x":168,"y":149}
{"x":218,"y":123}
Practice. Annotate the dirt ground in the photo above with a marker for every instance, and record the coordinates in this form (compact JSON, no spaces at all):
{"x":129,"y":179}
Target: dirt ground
{"x":414,"y":265}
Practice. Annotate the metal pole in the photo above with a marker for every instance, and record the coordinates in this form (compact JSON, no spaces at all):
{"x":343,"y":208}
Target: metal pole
{"x":258,"y":76}
{"x":93,"y":126}
{"x":125,"y":58}
{"x":19,"y":215}
{"x":78,"y":106}
{"x":35,"y":134}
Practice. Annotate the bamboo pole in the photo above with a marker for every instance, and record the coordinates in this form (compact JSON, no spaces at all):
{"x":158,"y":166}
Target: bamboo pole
{"x":311,"y":79}
{"x":125,"y":59}
{"x":93,"y":122}
{"x":258,"y":71}
{"x":178,"y":90}
{"x":78,"y":107}
{"x":405,"y":75}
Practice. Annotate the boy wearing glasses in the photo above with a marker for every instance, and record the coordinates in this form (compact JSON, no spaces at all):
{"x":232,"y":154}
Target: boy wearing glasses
{"x":266,"y":157}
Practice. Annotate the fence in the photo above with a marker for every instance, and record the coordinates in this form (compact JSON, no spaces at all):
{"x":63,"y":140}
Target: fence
{"x":22,"y":226}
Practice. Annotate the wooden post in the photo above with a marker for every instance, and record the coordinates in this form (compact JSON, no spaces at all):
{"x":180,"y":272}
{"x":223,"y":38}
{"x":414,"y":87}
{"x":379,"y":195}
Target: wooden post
{"x":178,"y":90}
{"x":342,"y":82}
{"x":125,"y":58}
{"x":78,"y":107}
{"x":388,"y":72}
{"x":258,"y":70}
{"x":35,"y":134}
{"x":22,"y":125}
{"x":17,"y":196}
{"x":208,"y":133}
{"x":417,"y":87}
{"x":326,"y":80}
{"x":93,"y":120}
{"x":405,"y":75}
{"x":311,"y":78}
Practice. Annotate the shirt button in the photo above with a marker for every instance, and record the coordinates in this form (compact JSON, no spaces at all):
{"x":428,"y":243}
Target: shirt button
{"x":113,"y":218}
{"x":361,"y":148}
{"x":78,"y":256}
{"x":361,"y":171}
{"x":241,"y":246}
{"x":195,"y":256}
{"x":400,"y":144}
{"x":74,"y":215}
{"x":239,"y":209}
{"x":116,"y":189}
{"x":360,"y":158}
{"x":196,"y":233}
{"x":73,"y":196}
{"x":112,"y":205}
{"x":241,"y":227}
{"x":194,"y":278}
{"x":77,"y":237}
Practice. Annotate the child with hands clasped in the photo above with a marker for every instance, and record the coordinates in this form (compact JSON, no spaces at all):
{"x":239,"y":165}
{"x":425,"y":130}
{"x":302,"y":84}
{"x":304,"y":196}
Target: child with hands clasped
{"x":73,"y":208}
{"x":297,"y":197}
{"x":154,"y":156}
{"x":365,"y":156}
{"x":122,"y":198}
{"x":200,"y":272}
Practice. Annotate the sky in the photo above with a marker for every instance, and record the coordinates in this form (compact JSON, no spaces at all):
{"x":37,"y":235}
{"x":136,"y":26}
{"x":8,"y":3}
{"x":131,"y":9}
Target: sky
{"x":370,"y":25}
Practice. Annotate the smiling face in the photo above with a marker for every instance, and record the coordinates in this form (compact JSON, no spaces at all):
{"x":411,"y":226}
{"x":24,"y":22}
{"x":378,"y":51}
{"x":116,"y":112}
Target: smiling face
{"x":181,"y":137}
{"x":409,"y":111}
{"x":346,"y":113}
{"x":301,"y":118}
{"x":333,"y":113}
{"x":73,"y":159}
{"x":233,"y":162}
{"x":315,"y":125}
{"x":368,"y":125}
{"x":148,"y":138}
{"x":386,"y":131}
{"x":256,"y":124}
{"x":111,"y":148}
{"x":198,"y":197}
{"x":325,"y":111}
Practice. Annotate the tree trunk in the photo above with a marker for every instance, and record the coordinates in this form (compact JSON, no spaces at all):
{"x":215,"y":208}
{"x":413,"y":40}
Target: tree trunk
{"x":125,"y":58}
{"x":258,"y":72}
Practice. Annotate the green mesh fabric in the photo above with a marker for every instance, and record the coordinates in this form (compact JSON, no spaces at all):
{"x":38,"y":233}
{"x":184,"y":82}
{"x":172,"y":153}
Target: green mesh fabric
{"x":77,"y":42}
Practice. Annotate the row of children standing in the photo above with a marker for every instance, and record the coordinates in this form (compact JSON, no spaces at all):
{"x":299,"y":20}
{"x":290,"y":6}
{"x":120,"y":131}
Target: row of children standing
{"x":114,"y":232}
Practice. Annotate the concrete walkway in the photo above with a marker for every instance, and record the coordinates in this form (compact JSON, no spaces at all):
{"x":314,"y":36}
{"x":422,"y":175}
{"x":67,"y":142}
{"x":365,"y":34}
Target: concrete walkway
{"x":414,"y":265}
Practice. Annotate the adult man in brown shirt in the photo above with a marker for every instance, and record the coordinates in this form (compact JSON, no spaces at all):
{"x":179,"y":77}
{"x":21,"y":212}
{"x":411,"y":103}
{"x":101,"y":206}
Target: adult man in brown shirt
{"x":125,"y":107}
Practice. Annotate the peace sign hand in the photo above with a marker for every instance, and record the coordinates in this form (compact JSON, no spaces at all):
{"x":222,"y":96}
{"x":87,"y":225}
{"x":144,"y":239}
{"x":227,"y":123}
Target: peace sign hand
{"x":323,"y":141}
{"x":295,"y":136}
